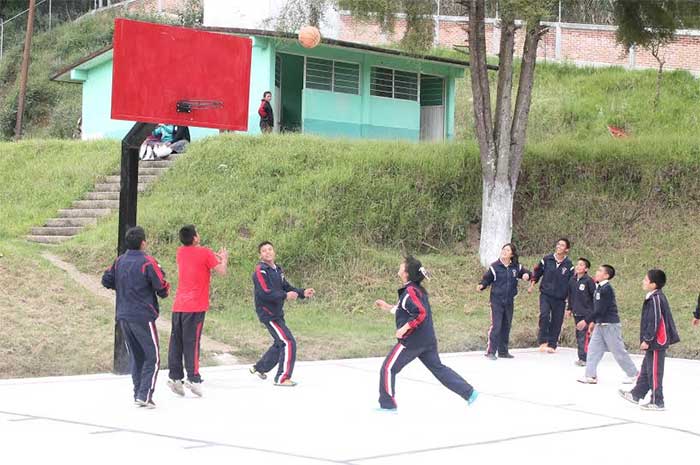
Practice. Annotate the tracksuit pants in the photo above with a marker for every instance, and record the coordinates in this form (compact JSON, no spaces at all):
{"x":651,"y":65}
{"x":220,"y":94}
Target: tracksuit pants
{"x":499,"y":332}
{"x":282,"y":353}
{"x":142,"y":343}
{"x":551,"y":319}
{"x":651,"y":377}
{"x":608,"y":337}
{"x":185,"y":340}
{"x":400,"y":356}
{"x":581,"y":340}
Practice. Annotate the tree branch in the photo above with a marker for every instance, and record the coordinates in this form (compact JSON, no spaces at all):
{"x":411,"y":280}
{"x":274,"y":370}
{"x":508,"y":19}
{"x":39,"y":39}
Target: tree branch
{"x":504,"y":91}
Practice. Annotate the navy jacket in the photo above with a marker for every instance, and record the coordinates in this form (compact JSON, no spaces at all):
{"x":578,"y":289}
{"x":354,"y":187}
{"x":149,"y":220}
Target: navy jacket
{"x":503,"y":280}
{"x":555,"y":279}
{"x":697,"y":309}
{"x":656,"y":326}
{"x":139,"y":281}
{"x":270,"y":291}
{"x":581,"y":295}
{"x":414,"y":308}
{"x":604,"y":305}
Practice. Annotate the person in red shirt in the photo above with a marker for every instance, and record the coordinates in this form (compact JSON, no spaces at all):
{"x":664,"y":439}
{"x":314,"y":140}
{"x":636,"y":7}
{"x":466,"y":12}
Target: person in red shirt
{"x":194,"y":265}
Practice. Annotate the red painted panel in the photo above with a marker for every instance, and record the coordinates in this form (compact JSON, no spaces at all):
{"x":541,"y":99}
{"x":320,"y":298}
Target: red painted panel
{"x":156,"y":65}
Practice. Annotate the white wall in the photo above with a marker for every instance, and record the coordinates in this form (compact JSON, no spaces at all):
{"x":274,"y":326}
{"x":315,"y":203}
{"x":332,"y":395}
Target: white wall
{"x":257,"y":14}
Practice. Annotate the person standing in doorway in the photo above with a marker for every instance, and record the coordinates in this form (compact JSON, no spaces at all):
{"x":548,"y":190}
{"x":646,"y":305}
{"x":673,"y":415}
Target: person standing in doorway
{"x":267,"y":117}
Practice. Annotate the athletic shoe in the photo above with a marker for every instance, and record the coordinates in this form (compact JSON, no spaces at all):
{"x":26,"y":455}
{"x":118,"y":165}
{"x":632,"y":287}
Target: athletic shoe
{"x":255,"y":372}
{"x":628,"y":396}
{"x":580,"y":363}
{"x":650,"y":407}
{"x":543,"y":347}
{"x":146,"y":404}
{"x":386,"y":410}
{"x":286,"y":383}
{"x":506,"y":355}
{"x":551,"y":350}
{"x":490,"y":356}
{"x":630,"y":379}
{"x":587,"y":380}
{"x":473,"y":397}
{"x":196,"y":388}
{"x":177,"y":387}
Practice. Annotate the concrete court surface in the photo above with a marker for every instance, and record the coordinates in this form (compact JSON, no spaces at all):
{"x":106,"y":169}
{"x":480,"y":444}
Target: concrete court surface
{"x":531,"y":410}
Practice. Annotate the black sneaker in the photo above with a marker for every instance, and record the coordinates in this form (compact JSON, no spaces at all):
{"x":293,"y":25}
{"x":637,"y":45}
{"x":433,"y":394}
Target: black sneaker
{"x":491,"y":356}
{"x":651,"y":407}
{"x":506,"y":355}
{"x":146,"y":404}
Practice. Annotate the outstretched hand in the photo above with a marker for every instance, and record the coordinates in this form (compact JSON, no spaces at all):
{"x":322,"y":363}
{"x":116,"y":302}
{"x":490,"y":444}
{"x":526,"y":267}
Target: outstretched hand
{"x":696,"y":322}
{"x":581,"y":325}
{"x":530,"y":288}
{"x":480,"y":287}
{"x":379,"y":303}
{"x":291,"y":295}
{"x":310,"y":292}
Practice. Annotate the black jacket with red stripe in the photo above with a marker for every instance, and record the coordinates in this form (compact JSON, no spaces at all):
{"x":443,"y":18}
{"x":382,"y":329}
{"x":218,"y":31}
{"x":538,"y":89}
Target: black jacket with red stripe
{"x":414,"y":308}
{"x":139,"y":281}
{"x":270,"y":291}
{"x":657,"y":327}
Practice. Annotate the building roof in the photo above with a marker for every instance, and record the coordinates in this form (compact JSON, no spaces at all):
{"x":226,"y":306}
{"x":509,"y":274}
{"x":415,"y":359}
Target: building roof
{"x":105,"y":53}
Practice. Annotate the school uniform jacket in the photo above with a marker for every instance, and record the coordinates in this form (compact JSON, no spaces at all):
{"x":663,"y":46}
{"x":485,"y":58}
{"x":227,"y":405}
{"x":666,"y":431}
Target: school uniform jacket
{"x":657,"y":327}
{"x":604,"y":305}
{"x":503,"y":280}
{"x":270,"y":289}
{"x":581,"y":292}
{"x":414,"y":308}
{"x":139,"y":281}
{"x":555,"y":278}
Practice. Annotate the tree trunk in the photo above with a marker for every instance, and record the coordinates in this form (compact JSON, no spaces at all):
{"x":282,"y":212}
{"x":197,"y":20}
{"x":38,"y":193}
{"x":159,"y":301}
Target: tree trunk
{"x":496,"y":219}
{"x":655,"y":51}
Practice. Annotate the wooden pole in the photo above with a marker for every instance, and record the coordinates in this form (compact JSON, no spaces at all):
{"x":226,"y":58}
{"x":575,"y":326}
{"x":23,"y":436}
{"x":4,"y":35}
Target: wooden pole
{"x":25,"y":69}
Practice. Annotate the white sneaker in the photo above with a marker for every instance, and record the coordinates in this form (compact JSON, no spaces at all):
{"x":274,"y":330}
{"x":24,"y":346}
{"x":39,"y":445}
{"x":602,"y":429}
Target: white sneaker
{"x":177,"y":387}
{"x":196,"y":388}
{"x":587,"y":380}
{"x":630,"y":379}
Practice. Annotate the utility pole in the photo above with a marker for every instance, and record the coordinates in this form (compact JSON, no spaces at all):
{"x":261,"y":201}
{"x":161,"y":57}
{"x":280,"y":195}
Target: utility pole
{"x":25,"y":69}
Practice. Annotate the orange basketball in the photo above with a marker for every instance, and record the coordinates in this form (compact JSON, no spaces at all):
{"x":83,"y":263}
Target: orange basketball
{"x":309,"y":37}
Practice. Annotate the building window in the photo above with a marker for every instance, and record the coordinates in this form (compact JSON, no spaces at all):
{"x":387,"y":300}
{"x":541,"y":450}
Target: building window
{"x":431,"y":91}
{"x":392,"y":83}
{"x":334,"y":76}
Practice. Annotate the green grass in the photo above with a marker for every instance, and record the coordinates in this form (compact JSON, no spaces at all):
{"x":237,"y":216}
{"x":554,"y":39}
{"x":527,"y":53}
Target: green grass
{"x":340,"y":214}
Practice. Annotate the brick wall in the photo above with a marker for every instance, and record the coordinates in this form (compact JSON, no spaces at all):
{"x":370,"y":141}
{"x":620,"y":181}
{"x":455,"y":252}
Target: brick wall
{"x":578,"y":43}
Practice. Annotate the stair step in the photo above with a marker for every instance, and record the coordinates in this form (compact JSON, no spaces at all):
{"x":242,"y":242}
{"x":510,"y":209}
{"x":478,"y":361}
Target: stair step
{"x":90,"y":204}
{"x":115,"y":187}
{"x":70,"y":222}
{"x":155,"y":164}
{"x":48,"y":239}
{"x":104,"y":195}
{"x":142,"y":179}
{"x":56,"y":231}
{"x":152,"y":171}
{"x":83,"y":212}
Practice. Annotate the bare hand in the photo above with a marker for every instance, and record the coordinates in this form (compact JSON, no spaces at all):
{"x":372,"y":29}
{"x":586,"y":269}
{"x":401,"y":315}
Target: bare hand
{"x":379,"y":303}
{"x":644,"y":345}
{"x":568,"y":314}
{"x":696,"y":321}
{"x":581,"y":325}
{"x":222,"y":254}
{"x":526,"y":277}
{"x":291,"y":295}
{"x":529,"y":289}
{"x":402,"y":331}
{"x":310,"y":292}
{"x":480,"y":287}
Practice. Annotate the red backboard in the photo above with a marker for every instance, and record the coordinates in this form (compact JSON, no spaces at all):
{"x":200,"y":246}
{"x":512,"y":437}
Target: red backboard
{"x":156,"y":66}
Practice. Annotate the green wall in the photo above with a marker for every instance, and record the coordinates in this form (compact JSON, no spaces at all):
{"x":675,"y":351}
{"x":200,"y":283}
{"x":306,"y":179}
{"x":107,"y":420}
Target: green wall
{"x":292,"y":86}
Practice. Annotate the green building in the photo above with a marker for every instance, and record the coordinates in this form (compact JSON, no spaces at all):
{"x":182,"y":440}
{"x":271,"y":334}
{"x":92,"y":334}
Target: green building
{"x":337,"y":89}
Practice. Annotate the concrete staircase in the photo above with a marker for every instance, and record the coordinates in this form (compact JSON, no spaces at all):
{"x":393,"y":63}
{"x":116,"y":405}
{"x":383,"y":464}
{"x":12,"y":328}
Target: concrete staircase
{"x":100,"y":202}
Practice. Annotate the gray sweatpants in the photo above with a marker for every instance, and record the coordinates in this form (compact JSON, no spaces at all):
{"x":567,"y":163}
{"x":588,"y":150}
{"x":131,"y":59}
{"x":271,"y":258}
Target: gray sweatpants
{"x":608,"y":338}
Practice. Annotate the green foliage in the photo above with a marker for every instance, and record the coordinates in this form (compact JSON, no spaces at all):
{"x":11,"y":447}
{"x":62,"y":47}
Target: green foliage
{"x":191,"y":13}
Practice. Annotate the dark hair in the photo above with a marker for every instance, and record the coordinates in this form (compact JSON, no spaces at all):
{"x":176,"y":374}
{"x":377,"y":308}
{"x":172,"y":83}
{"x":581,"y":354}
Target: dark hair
{"x":514,"y":250}
{"x":416,"y":272}
{"x":266,"y":92}
{"x":187,"y":234}
{"x":134,"y":237}
{"x":586,"y":261}
{"x":609,"y":270}
{"x":657,"y":277}
{"x":566,"y":241}
{"x":264,"y":243}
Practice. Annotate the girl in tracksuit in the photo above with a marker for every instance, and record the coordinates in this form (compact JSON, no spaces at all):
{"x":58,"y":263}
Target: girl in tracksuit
{"x":502,"y":276}
{"x":416,"y":338}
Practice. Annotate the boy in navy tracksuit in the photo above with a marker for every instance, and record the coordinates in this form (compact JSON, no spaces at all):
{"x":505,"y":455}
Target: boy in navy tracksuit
{"x":606,"y":329}
{"x":580,"y":304}
{"x":502,"y":276}
{"x":271,"y":290}
{"x":139,"y":281}
{"x":555,"y":270}
{"x":416,"y":338}
{"x":656,"y":333}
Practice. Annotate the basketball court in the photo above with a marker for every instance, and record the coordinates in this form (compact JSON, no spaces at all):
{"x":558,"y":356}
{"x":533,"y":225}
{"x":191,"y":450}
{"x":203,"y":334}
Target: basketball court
{"x":531,"y":410}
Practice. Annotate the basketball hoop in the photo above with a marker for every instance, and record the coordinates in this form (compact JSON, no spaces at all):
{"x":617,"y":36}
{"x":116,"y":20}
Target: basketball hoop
{"x":186,"y":106}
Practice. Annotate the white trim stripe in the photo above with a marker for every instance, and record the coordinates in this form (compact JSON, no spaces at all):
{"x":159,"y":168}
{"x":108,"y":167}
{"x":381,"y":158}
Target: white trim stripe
{"x":287,"y":351}
{"x":154,"y":338}
{"x":493,"y":272}
{"x":387,"y":371}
